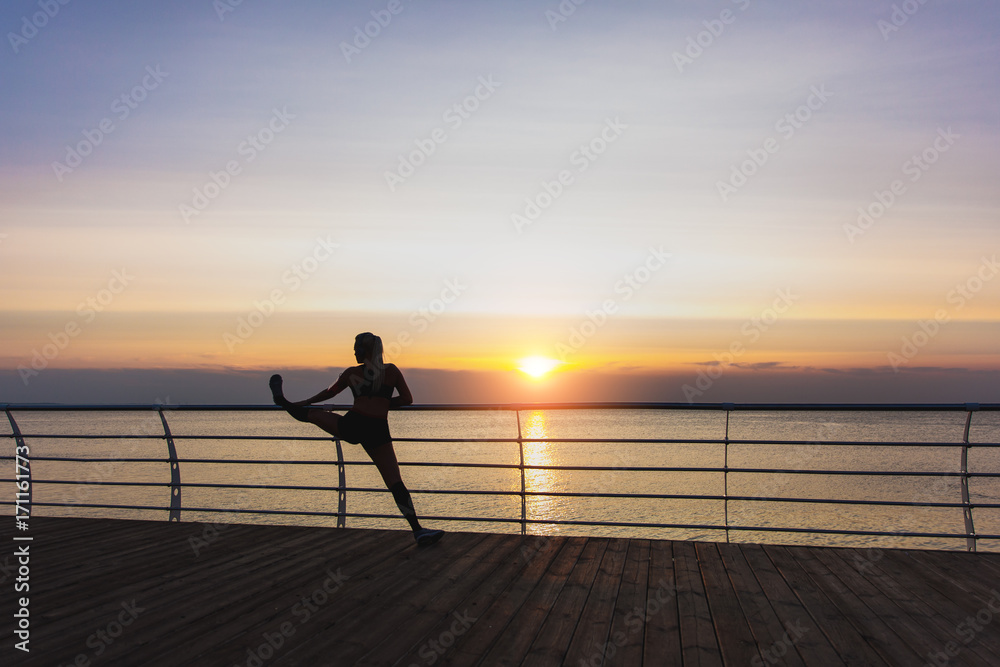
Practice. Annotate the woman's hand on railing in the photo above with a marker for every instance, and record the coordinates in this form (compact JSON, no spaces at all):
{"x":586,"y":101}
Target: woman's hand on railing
{"x":399,"y":401}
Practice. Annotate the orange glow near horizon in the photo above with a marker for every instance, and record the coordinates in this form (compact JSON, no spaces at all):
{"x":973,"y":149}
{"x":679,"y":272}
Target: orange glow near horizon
{"x":290,"y":340}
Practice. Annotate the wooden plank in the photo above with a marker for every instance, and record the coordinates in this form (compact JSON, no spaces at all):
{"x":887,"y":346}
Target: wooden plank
{"x":662,"y":636}
{"x":298,"y":598}
{"x":532,"y":605}
{"x":626,"y":639}
{"x":132,"y":574}
{"x":513,"y":644}
{"x":257,"y":603}
{"x":589,"y":642}
{"x":163,"y":612}
{"x":946,"y":575}
{"x":879,"y":635}
{"x":911,"y":628}
{"x":374,"y":621}
{"x":769,"y":634}
{"x":502,"y":601}
{"x":940,"y":615}
{"x":963,"y":570}
{"x":954,"y":603}
{"x":59,"y":532}
{"x":480,"y":598}
{"x":256,"y":576}
{"x":987,"y":561}
{"x":852,"y":646}
{"x":699,"y":645}
{"x":549,"y":646}
{"x":736,"y":641}
{"x":488,"y":599}
{"x":451,"y":610}
{"x":810,"y":642}
{"x":360,"y":596}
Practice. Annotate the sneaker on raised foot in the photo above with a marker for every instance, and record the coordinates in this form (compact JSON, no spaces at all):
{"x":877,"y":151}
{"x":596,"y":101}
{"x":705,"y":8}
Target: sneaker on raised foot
{"x":426,"y":536}
{"x":276,"y":391}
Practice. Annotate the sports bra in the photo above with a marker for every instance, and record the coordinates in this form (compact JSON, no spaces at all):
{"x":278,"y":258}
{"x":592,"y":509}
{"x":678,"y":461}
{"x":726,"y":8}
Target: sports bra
{"x":364,"y":388}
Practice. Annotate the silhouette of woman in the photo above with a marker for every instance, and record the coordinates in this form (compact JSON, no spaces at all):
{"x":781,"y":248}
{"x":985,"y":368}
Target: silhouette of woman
{"x":366,"y":423}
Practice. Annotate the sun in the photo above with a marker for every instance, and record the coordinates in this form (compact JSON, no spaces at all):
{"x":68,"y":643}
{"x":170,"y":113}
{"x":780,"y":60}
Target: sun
{"x":537,"y":366}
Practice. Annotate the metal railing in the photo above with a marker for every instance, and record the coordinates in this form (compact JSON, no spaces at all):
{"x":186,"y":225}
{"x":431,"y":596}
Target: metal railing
{"x":176,"y":486}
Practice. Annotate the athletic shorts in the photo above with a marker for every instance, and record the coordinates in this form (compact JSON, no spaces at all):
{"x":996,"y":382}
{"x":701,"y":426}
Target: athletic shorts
{"x":369,"y":432}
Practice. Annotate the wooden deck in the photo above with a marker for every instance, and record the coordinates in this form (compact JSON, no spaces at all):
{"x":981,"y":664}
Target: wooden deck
{"x":106,"y":592}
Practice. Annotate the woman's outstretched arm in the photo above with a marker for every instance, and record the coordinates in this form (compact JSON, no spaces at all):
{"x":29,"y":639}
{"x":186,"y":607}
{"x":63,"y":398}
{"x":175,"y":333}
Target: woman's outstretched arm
{"x":324,"y":395}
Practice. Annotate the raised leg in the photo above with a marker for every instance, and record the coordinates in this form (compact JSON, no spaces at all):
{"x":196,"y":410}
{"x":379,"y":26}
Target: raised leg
{"x":328,"y":421}
{"x":300,"y":413}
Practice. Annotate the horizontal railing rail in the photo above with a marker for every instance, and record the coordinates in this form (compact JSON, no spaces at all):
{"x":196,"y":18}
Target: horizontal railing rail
{"x":522,"y":407}
{"x":175,"y":507}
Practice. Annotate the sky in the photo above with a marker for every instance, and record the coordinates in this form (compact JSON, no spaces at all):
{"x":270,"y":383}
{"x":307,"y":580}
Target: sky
{"x":736,"y":200}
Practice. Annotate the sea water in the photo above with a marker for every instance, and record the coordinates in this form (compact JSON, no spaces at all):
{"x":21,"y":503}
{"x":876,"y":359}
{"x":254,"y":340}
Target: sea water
{"x":482,"y":450}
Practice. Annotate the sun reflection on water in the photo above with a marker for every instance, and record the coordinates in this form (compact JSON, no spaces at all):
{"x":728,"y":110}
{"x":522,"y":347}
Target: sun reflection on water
{"x":534,"y":429}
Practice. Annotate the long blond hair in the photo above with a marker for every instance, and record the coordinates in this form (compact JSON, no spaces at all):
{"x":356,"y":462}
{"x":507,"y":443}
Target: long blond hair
{"x":374,"y":365}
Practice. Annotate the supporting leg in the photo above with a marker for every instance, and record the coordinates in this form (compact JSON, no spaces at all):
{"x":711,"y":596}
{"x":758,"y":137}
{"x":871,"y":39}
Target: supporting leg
{"x":405,"y":505}
{"x":384,"y":458}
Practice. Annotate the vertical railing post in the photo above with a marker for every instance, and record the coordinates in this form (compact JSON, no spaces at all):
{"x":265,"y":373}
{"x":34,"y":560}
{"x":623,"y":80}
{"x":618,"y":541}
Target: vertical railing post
{"x":175,"y":470}
{"x":341,"y":487}
{"x":725,"y":468}
{"x":520,"y":447}
{"x":970,"y":528}
{"x":25,"y":476}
